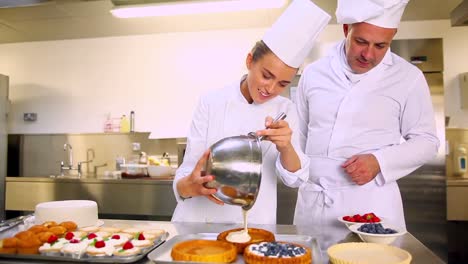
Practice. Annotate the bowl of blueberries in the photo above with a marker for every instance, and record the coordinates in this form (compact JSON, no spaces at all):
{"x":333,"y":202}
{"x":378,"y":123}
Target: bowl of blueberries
{"x":377,"y":233}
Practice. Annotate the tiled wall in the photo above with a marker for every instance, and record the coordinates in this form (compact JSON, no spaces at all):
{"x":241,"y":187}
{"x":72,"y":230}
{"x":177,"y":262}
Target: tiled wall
{"x":40,"y":155}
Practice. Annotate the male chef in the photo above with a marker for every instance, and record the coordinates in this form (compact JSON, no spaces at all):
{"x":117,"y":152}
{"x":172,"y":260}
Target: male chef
{"x":366,"y":121}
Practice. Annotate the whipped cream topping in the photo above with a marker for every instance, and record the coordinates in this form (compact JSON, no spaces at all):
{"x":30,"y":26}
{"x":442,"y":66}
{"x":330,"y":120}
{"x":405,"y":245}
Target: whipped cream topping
{"x":107,"y":250}
{"x":131,"y":251}
{"x":141,"y":243}
{"x":54,"y":246}
{"x":117,"y":242}
{"x":78,"y":248}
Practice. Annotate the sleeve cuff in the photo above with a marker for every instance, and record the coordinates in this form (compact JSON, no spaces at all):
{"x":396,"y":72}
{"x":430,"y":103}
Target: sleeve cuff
{"x":380,"y":178}
{"x":293,"y":179}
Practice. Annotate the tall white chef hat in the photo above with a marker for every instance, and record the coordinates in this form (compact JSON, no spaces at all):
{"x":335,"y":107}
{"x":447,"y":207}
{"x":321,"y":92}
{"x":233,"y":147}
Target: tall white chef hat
{"x":292,"y":36}
{"x":382,"y":13}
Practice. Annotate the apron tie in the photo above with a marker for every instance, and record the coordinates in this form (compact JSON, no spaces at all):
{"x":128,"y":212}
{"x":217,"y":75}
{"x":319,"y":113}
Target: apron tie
{"x":325,"y":190}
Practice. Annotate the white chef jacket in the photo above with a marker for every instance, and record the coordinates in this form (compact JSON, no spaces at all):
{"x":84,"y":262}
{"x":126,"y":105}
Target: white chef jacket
{"x":341,"y":117}
{"x":224,"y":113}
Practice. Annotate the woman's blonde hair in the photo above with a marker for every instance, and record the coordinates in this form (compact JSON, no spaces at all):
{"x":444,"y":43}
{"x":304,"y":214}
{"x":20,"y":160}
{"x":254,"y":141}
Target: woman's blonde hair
{"x":259,"y":50}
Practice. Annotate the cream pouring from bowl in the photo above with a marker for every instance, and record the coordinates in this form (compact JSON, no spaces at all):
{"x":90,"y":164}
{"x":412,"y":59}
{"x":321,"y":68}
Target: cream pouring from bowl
{"x":236,"y":164}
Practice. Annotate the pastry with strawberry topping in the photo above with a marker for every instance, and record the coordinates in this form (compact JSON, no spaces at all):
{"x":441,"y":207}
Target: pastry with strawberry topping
{"x":77,"y":235}
{"x":91,"y":237}
{"x":141,"y":241}
{"x":103,"y":234}
{"x":75,"y":248}
{"x":89,"y":229}
{"x":127,"y":235}
{"x":53,"y":246}
{"x":127,"y":249}
{"x":100,"y":248}
{"x":132,"y":231}
{"x":110,"y":229}
{"x":117,"y":240}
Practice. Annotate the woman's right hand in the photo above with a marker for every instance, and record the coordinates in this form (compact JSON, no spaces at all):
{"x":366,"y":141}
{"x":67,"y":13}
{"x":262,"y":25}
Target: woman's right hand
{"x":193,"y":185}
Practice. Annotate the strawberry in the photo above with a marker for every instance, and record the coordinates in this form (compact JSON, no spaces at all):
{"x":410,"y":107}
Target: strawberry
{"x":69,"y":236}
{"x":141,"y":236}
{"x":127,"y":245}
{"x":52,"y":239}
{"x":347,"y":218}
{"x":91,"y":236}
{"x":115,"y":237}
{"x":376,"y":219}
{"x":74,"y":241}
{"x":100,"y":244}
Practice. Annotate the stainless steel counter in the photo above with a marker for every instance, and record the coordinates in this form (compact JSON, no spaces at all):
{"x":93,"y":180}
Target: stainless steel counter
{"x":420,"y":253}
{"x":125,"y":197}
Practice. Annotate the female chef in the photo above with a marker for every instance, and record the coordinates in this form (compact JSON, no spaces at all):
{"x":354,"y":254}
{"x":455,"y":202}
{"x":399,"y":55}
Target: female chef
{"x":247,"y":105}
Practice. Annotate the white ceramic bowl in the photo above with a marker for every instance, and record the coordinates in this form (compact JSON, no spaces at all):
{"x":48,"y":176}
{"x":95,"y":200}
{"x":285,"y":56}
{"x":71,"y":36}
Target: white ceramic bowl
{"x":155,"y":171}
{"x":348,"y":223}
{"x":377,"y":238}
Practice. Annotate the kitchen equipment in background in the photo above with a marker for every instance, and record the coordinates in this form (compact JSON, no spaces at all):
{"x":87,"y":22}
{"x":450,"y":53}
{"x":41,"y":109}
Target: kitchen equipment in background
{"x":463,"y":79}
{"x":424,"y":190}
{"x":134,"y":171}
{"x":4,"y":105}
{"x":124,"y":124}
{"x":181,"y":146}
{"x":236,"y":163}
{"x":460,"y":160}
{"x":132,"y":121}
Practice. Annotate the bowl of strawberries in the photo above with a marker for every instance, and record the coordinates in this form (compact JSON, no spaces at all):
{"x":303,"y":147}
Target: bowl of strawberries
{"x":349,"y":220}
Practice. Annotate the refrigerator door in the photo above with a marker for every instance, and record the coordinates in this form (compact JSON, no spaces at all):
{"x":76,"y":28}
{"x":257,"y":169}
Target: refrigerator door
{"x":3,"y":140}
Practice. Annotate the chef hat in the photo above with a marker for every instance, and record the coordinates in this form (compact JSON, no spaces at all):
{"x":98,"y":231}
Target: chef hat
{"x":382,"y":13}
{"x":292,"y":36}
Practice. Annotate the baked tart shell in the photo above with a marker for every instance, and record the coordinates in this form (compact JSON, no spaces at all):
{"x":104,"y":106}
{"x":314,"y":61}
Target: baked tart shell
{"x":257,"y":235}
{"x":204,"y":251}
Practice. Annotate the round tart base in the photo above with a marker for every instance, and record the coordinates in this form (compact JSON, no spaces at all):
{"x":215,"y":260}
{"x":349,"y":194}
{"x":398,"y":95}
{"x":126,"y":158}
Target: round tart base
{"x":360,"y":253}
{"x":256,"y":235}
{"x":204,"y":251}
{"x":253,"y":258}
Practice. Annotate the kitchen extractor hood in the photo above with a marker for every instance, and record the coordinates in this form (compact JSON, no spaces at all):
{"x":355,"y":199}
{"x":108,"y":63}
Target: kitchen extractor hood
{"x":146,"y":8}
{"x":21,"y":3}
{"x":459,"y":15}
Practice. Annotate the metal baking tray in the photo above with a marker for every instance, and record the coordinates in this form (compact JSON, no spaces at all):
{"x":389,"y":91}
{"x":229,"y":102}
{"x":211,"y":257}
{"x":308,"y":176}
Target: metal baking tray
{"x":163,"y":253}
{"x":17,"y":227}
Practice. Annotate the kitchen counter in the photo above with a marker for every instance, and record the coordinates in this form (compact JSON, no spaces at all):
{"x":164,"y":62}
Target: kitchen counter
{"x":420,"y":253}
{"x":457,"y":181}
{"x":145,"y":197}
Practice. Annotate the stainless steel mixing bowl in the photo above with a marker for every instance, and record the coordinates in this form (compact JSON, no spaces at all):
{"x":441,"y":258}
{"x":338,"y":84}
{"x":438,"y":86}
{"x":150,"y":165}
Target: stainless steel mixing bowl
{"x":236,"y":163}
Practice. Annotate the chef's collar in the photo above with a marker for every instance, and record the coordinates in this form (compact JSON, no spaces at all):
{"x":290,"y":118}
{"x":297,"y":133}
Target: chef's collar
{"x":356,"y":77}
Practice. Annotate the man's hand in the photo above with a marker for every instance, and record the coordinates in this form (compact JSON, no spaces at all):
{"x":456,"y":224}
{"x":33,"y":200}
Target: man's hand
{"x":192,"y":185}
{"x":362,"y":168}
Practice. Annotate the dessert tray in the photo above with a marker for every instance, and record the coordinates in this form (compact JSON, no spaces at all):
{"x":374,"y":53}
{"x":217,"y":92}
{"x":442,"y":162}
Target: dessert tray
{"x":9,"y":228}
{"x":162,"y":254}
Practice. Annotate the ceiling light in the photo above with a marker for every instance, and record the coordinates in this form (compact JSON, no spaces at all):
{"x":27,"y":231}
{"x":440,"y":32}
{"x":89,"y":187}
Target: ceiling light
{"x":193,"y":7}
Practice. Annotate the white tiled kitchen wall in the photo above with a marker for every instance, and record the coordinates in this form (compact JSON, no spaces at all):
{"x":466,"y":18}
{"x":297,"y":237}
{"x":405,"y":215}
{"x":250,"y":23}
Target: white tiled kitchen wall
{"x":73,"y":84}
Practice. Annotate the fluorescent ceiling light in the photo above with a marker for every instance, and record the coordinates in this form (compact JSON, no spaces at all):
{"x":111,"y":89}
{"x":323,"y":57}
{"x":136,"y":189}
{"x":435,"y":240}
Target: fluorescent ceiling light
{"x":193,"y":7}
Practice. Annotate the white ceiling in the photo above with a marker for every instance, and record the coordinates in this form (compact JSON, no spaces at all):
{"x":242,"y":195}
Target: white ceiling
{"x":71,"y":19}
